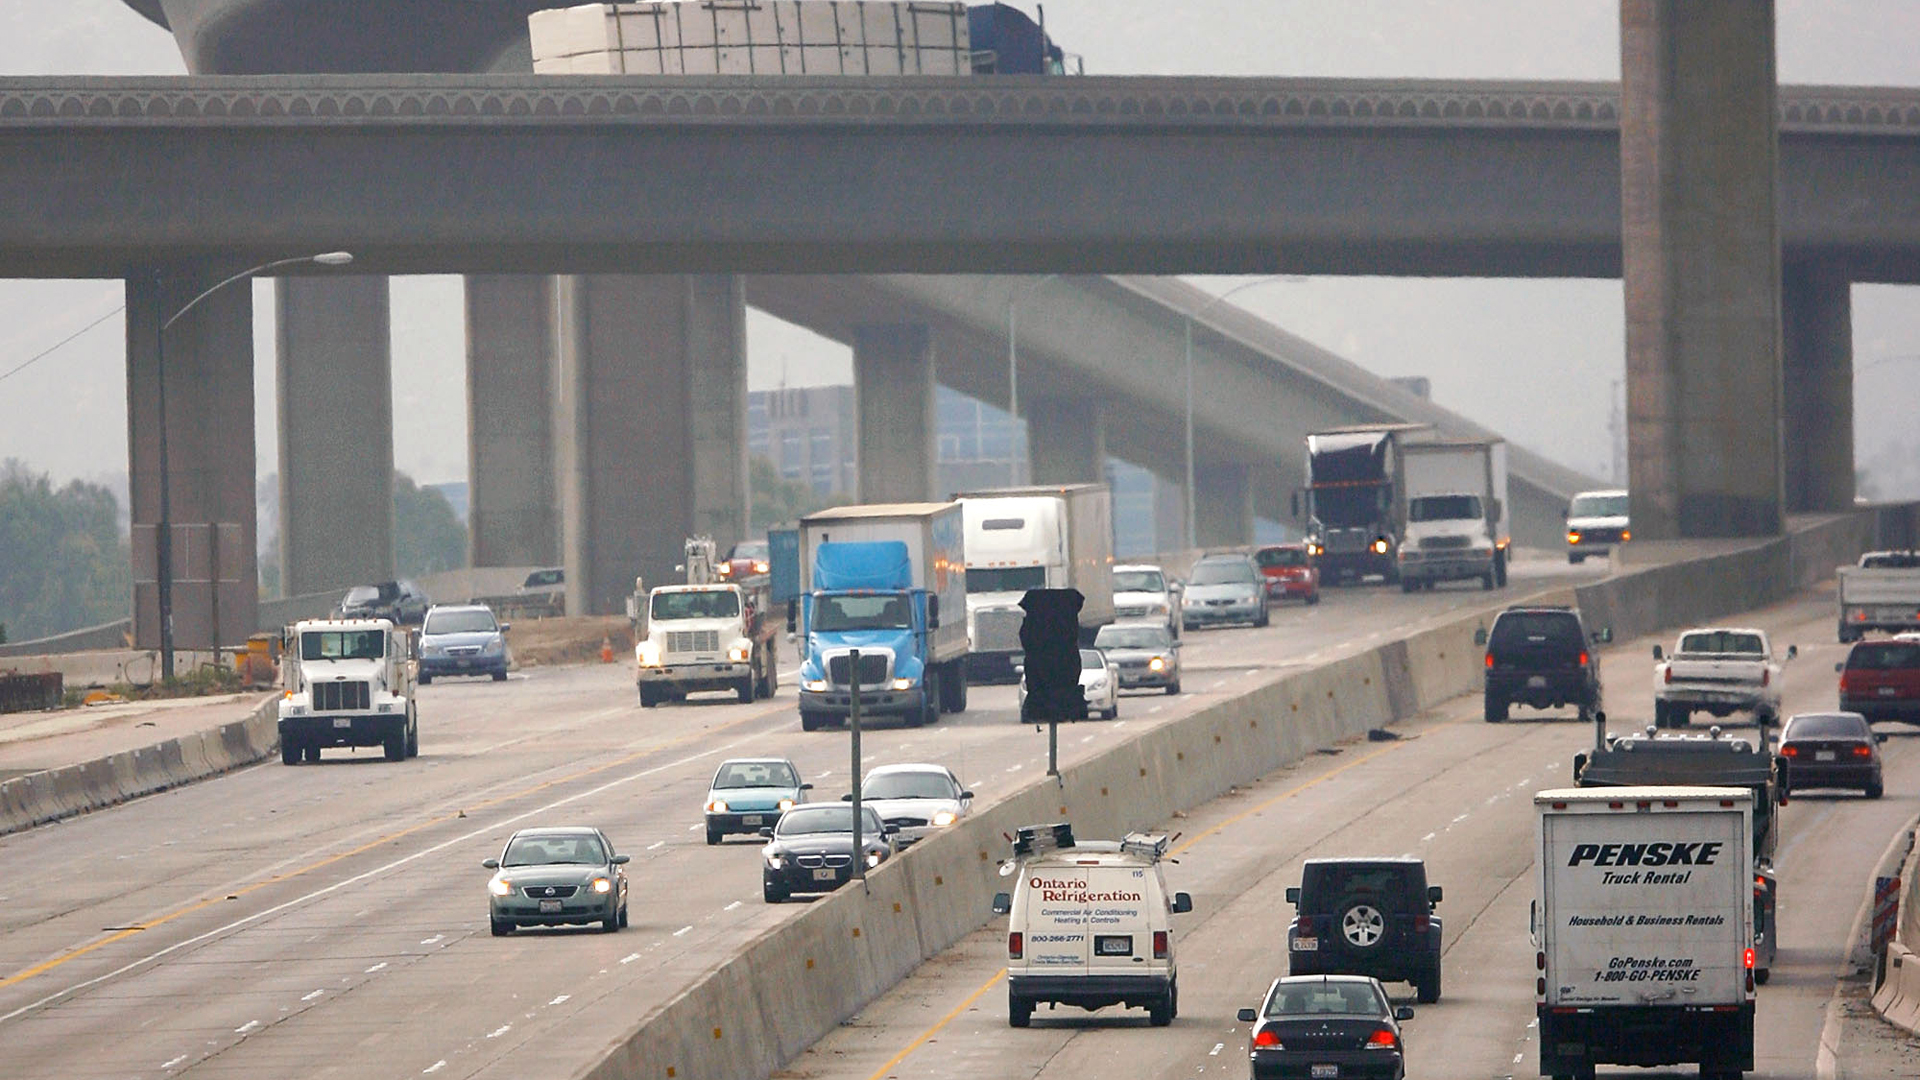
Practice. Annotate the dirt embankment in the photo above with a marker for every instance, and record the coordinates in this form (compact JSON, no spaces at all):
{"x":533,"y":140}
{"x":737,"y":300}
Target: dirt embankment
{"x":569,"y":640}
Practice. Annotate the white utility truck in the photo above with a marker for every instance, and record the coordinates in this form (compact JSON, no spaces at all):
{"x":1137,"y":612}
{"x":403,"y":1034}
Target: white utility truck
{"x":1043,"y":537}
{"x":1456,"y":527}
{"x":1643,"y":926}
{"x":1881,"y":593}
{"x":349,"y":682}
{"x":1719,"y":670}
{"x":708,"y":634}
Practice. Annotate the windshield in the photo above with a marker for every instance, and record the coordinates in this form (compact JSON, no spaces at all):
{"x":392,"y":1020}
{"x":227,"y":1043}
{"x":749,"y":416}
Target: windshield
{"x":1827,"y":727}
{"x":885,"y":611}
{"x":1720,"y":641}
{"x":813,"y":820}
{"x":1139,"y":581}
{"x":547,"y":850}
{"x":748,"y":549}
{"x":745,"y":774}
{"x":1006,"y":579}
{"x":1884,"y":656}
{"x":1222,"y":572}
{"x":477,"y":621}
{"x":1348,"y":507}
{"x":540,"y":579}
{"x":1444,"y":508}
{"x":367,"y":594}
{"x":1281,"y":556}
{"x":1890,"y":560}
{"x":1091,"y":660}
{"x":1591,"y":506}
{"x":1133,"y":637}
{"x":1323,"y":997}
{"x":343,"y":645}
{"x":908,"y":785}
{"x":706,"y":604}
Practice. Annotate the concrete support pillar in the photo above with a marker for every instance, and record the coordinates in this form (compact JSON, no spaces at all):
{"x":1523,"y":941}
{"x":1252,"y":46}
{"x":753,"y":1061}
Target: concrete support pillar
{"x":512,"y":514}
{"x":649,"y":425}
{"x":1816,"y":323}
{"x":894,"y":410}
{"x":1067,"y":438}
{"x":1701,"y":252}
{"x":1223,"y":505}
{"x":335,"y":396}
{"x":206,"y":366}
{"x":1169,"y":515}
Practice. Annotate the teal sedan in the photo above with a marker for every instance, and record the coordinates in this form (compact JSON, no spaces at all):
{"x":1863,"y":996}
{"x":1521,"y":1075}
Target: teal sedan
{"x":750,"y":794}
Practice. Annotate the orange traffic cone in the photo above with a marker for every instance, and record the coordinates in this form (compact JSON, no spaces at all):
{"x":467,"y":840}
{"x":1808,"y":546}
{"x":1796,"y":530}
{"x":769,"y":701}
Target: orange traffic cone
{"x":606,"y":650}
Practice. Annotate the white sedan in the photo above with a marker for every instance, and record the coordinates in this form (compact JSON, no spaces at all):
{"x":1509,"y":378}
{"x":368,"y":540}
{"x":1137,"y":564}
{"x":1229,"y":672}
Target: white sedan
{"x":918,"y":799}
{"x":1099,"y":684}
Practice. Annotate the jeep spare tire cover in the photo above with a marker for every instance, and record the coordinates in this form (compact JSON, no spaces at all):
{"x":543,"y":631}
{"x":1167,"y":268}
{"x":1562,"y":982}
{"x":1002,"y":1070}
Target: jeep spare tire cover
{"x":1362,"y":925}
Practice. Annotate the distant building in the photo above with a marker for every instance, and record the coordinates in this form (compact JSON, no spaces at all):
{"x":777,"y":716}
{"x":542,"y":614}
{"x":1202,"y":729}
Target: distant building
{"x":808,"y":432}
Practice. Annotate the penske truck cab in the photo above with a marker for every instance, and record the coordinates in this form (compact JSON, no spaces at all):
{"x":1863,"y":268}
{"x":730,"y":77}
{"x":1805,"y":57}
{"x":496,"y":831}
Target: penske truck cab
{"x":1090,"y":924}
{"x":1643,"y":929}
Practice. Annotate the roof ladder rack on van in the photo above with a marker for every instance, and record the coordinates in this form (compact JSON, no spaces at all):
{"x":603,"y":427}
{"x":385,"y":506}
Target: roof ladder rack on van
{"x":1149,"y":846}
{"x":1038,"y":839}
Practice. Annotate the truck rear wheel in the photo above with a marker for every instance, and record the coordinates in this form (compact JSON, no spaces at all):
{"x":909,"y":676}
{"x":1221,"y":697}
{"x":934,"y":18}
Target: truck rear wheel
{"x":649,"y":697}
{"x":1496,"y":709}
{"x":413,"y":736}
{"x":311,"y":750}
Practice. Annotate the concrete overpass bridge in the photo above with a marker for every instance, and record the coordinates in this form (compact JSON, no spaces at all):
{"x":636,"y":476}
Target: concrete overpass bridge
{"x":517,"y":175}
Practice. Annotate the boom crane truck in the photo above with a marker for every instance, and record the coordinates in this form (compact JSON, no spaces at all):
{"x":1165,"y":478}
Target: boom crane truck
{"x":708,"y":634}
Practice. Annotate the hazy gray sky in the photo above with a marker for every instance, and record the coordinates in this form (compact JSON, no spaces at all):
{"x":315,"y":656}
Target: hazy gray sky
{"x":1534,"y":359}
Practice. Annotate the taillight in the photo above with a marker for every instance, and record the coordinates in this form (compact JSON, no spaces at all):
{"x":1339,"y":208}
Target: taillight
{"x":1159,"y":944}
{"x":1747,"y":958}
{"x":1268,"y":1039}
{"x":1489,"y":659}
{"x":1766,"y":676}
{"x":1863,"y":751}
{"x":1420,"y":924}
{"x":1583,"y":659}
{"x":1540,"y":986}
{"x":1303,"y":924}
{"x":1016,"y":945}
{"x":1669,"y":674}
{"x":1790,"y":751}
{"x":1540,"y":960}
{"x":1843,"y":681}
{"x":1383,"y":1039}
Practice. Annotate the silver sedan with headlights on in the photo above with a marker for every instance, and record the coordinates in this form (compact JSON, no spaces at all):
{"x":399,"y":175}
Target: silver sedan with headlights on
{"x":1147,"y":657}
{"x":557,"y":876}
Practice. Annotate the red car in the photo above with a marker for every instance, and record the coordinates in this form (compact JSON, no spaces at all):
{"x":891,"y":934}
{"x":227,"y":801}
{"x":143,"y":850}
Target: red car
{"x":1880,"y":680}
{"x":1290,"y":572}
{"x":746,"y":559}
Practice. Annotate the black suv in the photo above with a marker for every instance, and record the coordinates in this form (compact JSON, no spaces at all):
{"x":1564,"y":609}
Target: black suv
{"x":1539,"y":656}
{"x":1367,"y":917}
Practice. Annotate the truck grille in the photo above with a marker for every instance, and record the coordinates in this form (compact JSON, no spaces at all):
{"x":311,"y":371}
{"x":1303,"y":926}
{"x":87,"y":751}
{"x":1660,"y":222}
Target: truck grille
{"x":873,"y":669}
{"x":693,"y":641}
{"x":997,"y":629}
{"x":1347,"y":541}
{"x":1444,"y":542}
{"x":340,"y":696}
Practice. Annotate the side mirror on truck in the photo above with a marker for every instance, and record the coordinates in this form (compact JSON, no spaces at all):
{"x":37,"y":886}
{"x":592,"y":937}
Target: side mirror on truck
{"x":1793,"y":651}
{"x":1434,"y":894}
{"x":1293,"y":895}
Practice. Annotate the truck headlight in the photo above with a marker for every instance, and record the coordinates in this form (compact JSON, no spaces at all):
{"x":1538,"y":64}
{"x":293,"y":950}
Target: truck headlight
{"x":717,"y":806}
{"x":815,"y":685}
{"x":500,"y":887}
{"x":903,"y":684}
{"x":1573,"y":537}
{"x":602,"y":885}
{"x":945,"y":817}
{"x":1380,"y":546}
{"x":740,"y":652}
{"x":647,"y":653}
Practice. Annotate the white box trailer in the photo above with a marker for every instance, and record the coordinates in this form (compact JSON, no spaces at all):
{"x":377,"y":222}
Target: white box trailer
{"x":765,"y":37}
{"x":1050,"y":536}
{"x":1643,"y":925}
{"x":1457,"y":514}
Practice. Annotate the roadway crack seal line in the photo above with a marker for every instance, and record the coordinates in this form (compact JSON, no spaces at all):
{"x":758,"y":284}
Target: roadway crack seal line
{"x":49,"y":965}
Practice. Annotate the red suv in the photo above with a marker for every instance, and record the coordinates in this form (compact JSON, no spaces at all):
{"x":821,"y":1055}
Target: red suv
{"x":1290,"y":572}
{"x":1881,"y":679}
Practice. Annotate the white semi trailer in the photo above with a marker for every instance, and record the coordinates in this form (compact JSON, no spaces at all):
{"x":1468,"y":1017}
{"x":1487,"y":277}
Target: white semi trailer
{"x":1043,"y":537}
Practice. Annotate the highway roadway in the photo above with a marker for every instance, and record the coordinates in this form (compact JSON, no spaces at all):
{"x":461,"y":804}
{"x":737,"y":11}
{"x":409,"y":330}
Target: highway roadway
{"x":1456,"y":791}
{"x":330,"y":920}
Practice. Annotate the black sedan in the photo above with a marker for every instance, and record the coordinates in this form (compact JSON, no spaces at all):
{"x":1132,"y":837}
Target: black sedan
{"x":1831,"y":750}
{"x":1327,"y":1027}
{"x":810,"y":850}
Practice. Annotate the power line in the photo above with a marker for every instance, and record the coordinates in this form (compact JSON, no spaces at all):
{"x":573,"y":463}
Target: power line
{"x":55,"y":347}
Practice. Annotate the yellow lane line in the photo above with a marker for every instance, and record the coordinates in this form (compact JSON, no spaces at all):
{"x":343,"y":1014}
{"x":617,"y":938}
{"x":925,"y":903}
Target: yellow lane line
{"x":923,"y":1037}
{"x":40,"y":969}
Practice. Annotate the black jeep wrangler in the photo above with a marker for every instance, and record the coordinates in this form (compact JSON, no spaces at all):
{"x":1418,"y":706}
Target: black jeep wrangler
{"x":1367,"y":917}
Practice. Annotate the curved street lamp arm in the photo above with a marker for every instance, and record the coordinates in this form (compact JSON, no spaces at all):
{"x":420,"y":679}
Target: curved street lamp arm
{"x":223,"y":283}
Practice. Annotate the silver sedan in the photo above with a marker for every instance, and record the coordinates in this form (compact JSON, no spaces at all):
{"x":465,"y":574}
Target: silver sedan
{"x":557,"y":876}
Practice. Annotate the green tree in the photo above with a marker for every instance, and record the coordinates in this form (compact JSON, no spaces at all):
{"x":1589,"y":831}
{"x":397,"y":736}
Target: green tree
{"x":427,"y":534}
{"x":63,"y":561}
{"x":777,"y":499}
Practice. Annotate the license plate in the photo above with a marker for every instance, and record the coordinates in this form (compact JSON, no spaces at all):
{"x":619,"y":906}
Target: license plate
{"x":1537,"y":682}
{"x":1306,"y":944}
{"x":343,"y":721}
{"x":549,"y":907}
{"x":825,"y":873}
{"x":1889,"y":691}
{"x":1823,"y":755}
{"x":1325,"y":1072}
{"x":749,"y":819}
{"x":466,"y":663}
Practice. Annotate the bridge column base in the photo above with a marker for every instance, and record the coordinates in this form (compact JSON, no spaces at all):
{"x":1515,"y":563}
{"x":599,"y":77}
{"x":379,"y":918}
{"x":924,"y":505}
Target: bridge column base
{"x":512,"y":516}
{"x":1816,"y":325}
{"x":893,"y":391}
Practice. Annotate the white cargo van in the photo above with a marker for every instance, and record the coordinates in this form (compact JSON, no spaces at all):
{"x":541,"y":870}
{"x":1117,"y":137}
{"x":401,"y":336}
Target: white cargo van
{"x":1090,"y":924}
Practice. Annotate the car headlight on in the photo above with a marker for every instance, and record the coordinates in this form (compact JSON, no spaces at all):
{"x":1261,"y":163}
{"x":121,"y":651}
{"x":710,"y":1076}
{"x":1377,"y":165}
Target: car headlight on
{"x":815,"y":685}
{"x":717,"y":806}
{"x":873,"y":859}
{"x":1158,"y":663}
{"x":500,"y":887}
{"x":602,"y":885}
{"x":785,"y":805}
{"x":761,"y":567}
{"x":647,"y":653}
{"x":1380,"y":546}
{"x":903,"y":684}
{"x":1573,"y":536}
{"x":740,"y":652}
{"x":945,"y":817}
{"x":776,"y":862}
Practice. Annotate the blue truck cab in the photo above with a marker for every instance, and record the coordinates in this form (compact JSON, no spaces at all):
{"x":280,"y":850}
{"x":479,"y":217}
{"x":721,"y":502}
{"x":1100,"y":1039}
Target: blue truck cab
{"x":883,"y":596}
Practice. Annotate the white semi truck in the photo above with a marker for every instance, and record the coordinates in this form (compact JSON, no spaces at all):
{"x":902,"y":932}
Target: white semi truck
{"x":1043,"y":537}
{"x":1643,"y":926}
{"x":1456,"y":526}
{"x":349,"y":682}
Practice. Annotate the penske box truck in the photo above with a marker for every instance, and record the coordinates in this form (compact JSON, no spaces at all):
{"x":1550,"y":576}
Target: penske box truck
{"x":1643,"y":926}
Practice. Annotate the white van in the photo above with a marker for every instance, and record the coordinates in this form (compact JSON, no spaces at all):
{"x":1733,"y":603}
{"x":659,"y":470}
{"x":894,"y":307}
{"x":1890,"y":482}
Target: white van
{"x":1090,"y":924}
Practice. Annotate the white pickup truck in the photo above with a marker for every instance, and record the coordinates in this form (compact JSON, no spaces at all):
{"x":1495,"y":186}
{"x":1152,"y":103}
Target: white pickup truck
{"x":1720,"y":670}
{"x":1882,"y":593}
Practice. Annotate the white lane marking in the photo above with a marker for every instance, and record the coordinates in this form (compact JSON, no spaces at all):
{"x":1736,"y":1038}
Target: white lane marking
{"x":246,"y":1027}
{"x":313,"y":995}
{"x":1217,"y":1047}
{"x":1517,"y":1058}
{"x":1086,"y":738}
{"x":1426,"y":838}
{"x":378,"y":871}
{"x":1459,"y":819}
{"x":1122,"y":724}
{"x":174,"y":1062}
{"x":1014,"y":768}
{"x":685,"y":929}
{"x":499,"y":1031}
{"x":433,"y":939}
{"x":376,"y":967}
{"x":560,"y":1000}
{"x":434,"y":1068}
{"x":731,"y":906}
{"x":1156,"y":708}
{"x":629,"y":958}
{"x":656,"y":844}
{"x":692,"y":828}
{"x":867,"y":760}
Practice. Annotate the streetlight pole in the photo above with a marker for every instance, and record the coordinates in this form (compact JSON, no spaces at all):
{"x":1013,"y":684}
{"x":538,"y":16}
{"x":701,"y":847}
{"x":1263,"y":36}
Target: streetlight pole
{"x":163,"y":538}
{"x":1013,"y":374}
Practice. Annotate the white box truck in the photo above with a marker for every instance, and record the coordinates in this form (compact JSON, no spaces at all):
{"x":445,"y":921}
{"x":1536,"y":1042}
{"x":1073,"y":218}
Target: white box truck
{"x":1456,"y":526}
{"x":887,"y":581}
{"x":1056,"y":536}
{"x":1881,"y":593}
{"x":1643,"y":926}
